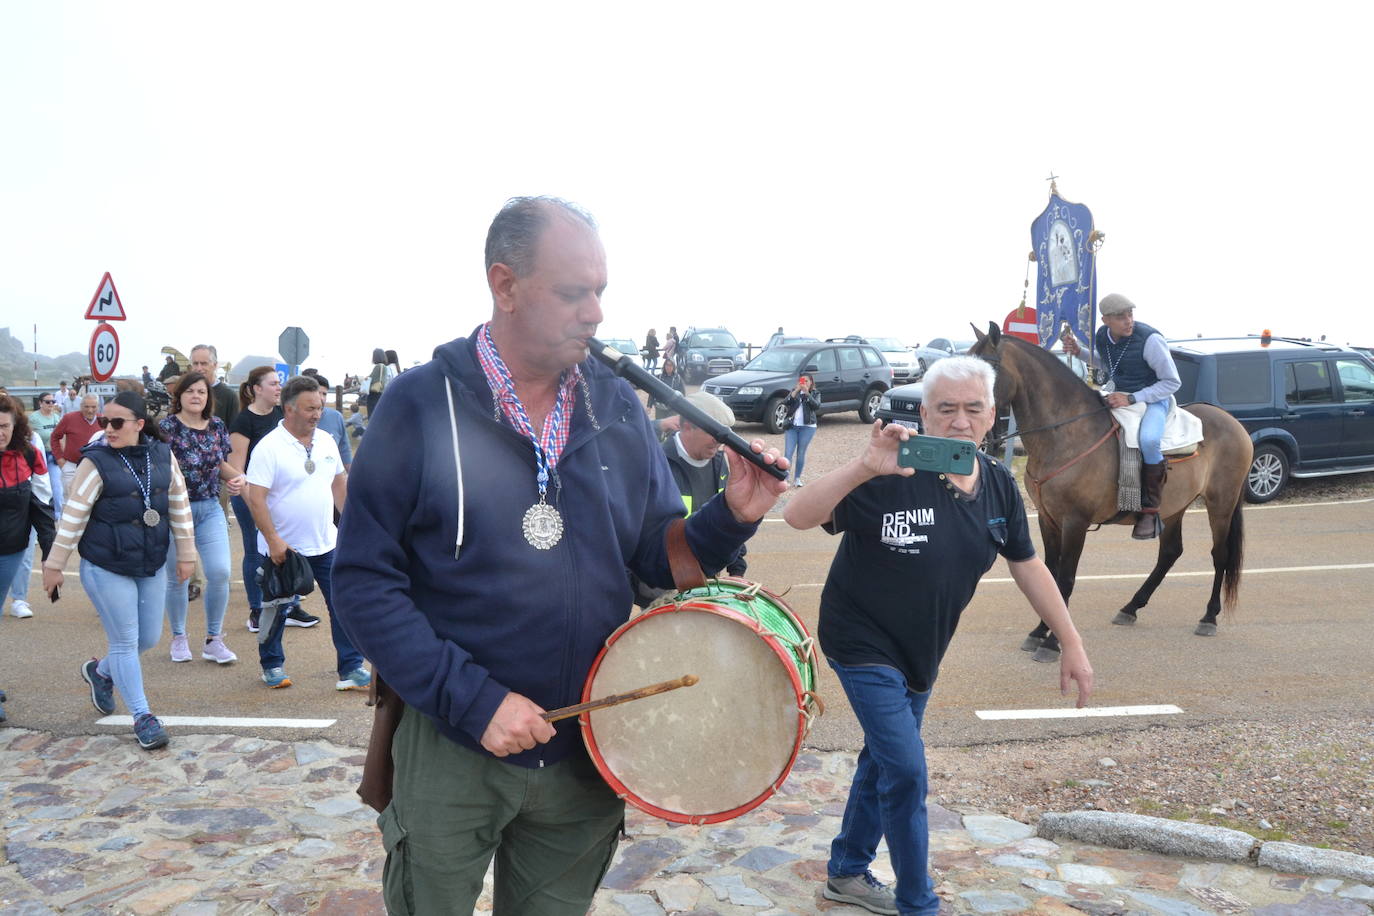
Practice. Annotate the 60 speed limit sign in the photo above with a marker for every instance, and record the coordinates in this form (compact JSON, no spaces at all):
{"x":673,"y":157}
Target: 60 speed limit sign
{"x":104,"y":352}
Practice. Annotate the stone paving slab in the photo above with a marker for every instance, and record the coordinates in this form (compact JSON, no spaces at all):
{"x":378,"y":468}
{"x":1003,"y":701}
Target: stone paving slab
{"x":228,"y":825}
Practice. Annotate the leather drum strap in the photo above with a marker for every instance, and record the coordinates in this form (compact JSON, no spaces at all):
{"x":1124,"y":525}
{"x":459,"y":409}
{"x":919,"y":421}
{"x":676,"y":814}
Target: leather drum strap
{"x":686,"y":570}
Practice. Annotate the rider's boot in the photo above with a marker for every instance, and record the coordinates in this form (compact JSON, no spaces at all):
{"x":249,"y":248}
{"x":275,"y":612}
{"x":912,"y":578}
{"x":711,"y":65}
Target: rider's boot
{"x":1147,"y":524}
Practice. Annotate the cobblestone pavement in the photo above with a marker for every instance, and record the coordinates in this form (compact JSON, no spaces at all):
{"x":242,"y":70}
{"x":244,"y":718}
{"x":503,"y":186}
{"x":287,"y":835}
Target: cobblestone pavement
{"x":220,"y":824}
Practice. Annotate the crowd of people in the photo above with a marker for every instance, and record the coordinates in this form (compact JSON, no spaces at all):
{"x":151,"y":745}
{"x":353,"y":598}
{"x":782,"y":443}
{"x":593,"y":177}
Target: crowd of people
{"x":515,"y":498}
{"x":143,"y":502}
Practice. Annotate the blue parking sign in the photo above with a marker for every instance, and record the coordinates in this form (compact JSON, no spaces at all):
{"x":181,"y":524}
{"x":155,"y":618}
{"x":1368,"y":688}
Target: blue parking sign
{"x":283,"y":372}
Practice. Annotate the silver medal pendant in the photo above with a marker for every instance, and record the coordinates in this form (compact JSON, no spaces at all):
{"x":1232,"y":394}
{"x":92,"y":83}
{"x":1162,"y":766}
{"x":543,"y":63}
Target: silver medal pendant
{"x":1109,"y":387}
{"x":309,"y":466}
{"x":543,"y":526}
{"x":151,"y":518}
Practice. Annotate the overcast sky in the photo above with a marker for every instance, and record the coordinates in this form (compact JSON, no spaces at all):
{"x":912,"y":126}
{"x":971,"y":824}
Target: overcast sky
{"x":833,"y":168}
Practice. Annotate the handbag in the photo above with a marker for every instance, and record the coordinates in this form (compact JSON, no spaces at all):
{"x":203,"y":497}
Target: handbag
{"x":292,"y":577}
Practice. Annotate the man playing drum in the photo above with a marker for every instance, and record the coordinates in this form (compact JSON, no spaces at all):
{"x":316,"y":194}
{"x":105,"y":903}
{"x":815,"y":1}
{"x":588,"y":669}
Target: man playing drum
{"x":915,"y":545}
{"x":1140,"y":368}
{"x":493,"y":510}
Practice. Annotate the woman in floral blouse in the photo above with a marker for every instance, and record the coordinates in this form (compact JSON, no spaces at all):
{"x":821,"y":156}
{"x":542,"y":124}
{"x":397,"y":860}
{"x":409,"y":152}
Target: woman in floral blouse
{"x":200,"y":442}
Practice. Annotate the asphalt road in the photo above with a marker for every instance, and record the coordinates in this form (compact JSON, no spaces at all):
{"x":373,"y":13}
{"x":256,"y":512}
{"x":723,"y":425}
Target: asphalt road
{"x":1298,"y":644}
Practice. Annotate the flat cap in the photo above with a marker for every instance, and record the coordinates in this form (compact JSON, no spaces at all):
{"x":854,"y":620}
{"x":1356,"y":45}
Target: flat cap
{"x":1114,"y":304}
{"x":713,"y":406}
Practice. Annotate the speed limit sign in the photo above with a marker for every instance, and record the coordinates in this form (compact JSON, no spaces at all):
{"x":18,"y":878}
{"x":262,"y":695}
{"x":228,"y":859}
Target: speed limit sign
{"x":104,"y":352}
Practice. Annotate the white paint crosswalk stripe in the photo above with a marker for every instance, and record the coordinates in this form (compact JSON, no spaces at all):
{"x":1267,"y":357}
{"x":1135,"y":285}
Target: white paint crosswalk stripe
{"x":1089,"y":711}
{"x":224,"y":722}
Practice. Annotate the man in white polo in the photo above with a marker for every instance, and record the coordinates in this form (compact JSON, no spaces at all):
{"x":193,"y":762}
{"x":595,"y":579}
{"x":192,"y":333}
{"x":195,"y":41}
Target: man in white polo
{"x":295,"y":483}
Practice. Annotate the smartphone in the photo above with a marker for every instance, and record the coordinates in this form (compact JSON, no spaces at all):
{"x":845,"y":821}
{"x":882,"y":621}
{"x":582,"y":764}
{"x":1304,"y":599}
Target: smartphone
{"x":55,"y":594}
{"x":932,"y":453}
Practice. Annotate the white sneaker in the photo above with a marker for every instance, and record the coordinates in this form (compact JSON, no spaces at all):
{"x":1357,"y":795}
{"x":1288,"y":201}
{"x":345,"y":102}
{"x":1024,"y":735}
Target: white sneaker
{"x":20,"y":609}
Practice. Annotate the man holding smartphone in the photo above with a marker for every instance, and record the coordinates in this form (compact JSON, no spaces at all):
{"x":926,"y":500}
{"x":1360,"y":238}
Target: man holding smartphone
{"x":915,"y":545}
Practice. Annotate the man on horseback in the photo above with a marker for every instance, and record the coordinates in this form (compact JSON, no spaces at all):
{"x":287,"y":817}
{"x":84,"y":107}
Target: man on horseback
{"x":1140,"y":369}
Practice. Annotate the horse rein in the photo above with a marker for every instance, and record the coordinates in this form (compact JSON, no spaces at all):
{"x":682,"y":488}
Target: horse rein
{"x":997,"y":441}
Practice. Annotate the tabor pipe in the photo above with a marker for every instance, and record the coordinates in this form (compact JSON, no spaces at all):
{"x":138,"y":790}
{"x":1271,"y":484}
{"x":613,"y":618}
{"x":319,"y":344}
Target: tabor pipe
{"x":643,"y":379}
{"x":615,"y":699}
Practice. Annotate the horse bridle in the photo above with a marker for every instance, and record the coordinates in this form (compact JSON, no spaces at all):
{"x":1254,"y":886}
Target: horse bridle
{"x":996,"y":442}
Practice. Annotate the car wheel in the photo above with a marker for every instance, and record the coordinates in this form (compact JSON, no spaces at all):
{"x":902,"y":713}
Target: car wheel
{"x":775,"y":415}
{"x":868,"y":408}
{"x":1268,"y":474}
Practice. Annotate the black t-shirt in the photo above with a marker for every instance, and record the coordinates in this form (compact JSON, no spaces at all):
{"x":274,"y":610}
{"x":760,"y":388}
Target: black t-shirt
{"x":913,"y":551}
{"x":254,"y":427}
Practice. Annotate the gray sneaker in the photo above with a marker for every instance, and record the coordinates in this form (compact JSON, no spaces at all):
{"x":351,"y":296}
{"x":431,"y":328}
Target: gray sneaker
{"x":863,"y":890}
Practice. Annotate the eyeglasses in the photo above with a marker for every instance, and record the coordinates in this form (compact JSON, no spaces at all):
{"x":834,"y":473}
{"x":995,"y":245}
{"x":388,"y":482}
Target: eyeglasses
{"x":115,"y":423}
{"x":47,"y":401}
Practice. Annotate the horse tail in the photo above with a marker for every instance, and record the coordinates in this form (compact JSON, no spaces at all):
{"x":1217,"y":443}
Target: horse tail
{"x":1235,"y":559}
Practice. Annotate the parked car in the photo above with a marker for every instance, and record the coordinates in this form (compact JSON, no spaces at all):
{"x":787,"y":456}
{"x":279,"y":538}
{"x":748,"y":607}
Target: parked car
{"x":704,"y":352}
{"x":848,"y":376}
{"x":788,"y":339}
{"x":899,"y":356}
{"x":902,"y":405}
{"x":1309,"y":407}
{"x":626,"y":346}
{"x":938,"y":348}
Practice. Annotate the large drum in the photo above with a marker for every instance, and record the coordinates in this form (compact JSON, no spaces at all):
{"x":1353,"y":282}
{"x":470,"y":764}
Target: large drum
{"x":713,"y":751}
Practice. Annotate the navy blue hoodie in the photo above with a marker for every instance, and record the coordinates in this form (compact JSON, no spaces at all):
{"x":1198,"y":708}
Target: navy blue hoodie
{"x":433,"y":579}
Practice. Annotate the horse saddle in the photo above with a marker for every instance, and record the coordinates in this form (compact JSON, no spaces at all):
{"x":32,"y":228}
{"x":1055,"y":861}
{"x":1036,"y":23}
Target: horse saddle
{"x":1182,"y":429}
{"x":1182,"y":433}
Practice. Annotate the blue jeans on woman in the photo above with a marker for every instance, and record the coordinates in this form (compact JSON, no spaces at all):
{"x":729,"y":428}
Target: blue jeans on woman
{"x":19,"y":579}
{"x":10,"y":564}
{"x":270,"y":652}
{"x":888,"y":795}
{"x":796,"y":439}
{"x":130,"y":609}
{"x":1152,"y":430}
{"x":212,"y":542}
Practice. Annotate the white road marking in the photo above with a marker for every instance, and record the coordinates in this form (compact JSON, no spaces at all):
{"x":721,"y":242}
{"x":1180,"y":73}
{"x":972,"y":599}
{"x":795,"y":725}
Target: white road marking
{"x":224,"y":722}
{"x":1165,"y":710}
{"x":1173,"y":575}
{"x":1248,"y":508}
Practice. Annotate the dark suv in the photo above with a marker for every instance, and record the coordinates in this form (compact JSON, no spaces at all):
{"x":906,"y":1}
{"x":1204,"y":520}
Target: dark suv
{"x":1309,"y":407}
{"x":703,"y":352}
{"x":848,"y":376}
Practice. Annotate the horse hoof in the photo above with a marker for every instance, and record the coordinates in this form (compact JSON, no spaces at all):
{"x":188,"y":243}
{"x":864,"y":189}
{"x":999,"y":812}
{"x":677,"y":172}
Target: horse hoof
{"x":1032,"y":643}
{"x":1122,"y":619}
{"x":1205,"y":629}
{"x":1045,"y":655}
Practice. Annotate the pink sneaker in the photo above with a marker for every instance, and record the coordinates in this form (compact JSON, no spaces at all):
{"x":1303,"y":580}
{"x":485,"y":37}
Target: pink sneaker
{"x":216,"y":651}
{"x":181,"y":650}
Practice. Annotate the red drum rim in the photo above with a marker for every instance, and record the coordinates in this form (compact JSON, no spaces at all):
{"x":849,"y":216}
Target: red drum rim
{"x":789,"y":665}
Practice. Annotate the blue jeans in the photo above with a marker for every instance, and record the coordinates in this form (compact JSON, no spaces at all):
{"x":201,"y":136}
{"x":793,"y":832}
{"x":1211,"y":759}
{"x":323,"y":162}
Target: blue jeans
{"x":130,"y":609}
{"x":19,"y":580}
{"x":796,"y":439}
{"x":10,"y":564}
{"x":270,"y":653}
{"x":55,"y":478}
{"x":212,"y":542}
{"x":1152,"y":430}
{"x":888,"y":795}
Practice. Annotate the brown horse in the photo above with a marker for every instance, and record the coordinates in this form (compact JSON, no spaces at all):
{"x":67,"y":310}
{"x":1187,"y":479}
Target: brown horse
{"x":1071,"y":474}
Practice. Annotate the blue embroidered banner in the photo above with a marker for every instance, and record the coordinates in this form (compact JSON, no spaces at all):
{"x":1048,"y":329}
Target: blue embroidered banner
{"x":1064,"y":244}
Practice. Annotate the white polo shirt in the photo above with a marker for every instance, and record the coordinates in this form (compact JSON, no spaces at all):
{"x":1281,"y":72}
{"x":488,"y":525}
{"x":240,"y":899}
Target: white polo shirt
{"x":301,"y":504}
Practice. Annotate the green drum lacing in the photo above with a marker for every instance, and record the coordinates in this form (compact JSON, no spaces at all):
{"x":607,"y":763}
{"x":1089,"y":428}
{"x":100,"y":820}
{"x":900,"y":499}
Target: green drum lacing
{"x":773,"y":617}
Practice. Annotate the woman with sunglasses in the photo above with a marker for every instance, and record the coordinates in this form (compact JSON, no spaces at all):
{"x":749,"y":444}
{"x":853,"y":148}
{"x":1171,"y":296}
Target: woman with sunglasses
{"x":200,"y":442}
{"x":259,"y":413}
{"x":126,"y":505}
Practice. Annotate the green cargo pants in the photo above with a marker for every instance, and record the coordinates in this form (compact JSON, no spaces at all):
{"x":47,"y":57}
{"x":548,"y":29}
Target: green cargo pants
{"x":553,"y":830}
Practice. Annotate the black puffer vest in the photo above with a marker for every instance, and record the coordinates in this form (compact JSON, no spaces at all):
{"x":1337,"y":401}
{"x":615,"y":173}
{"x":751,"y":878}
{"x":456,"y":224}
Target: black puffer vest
{"x":116,"y":538}
{"x":1132,"y":373}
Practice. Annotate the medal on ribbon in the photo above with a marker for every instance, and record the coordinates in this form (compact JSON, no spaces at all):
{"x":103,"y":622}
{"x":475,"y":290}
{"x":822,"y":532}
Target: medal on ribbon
{"x":150,"y":515}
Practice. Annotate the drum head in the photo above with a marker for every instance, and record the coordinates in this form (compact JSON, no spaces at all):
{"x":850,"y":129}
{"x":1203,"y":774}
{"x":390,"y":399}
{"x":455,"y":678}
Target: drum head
{"x":704,"y":753}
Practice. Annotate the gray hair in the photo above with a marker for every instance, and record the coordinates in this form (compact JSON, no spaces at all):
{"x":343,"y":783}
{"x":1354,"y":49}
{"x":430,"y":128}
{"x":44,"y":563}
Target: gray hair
{"x":214,"y":354}
{"x":960,"y":369}
{"x":296,"y":386}
{"x":515,"y":232}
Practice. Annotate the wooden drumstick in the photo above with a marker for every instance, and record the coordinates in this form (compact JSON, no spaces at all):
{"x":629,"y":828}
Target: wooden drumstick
{"x":615,"y":699}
